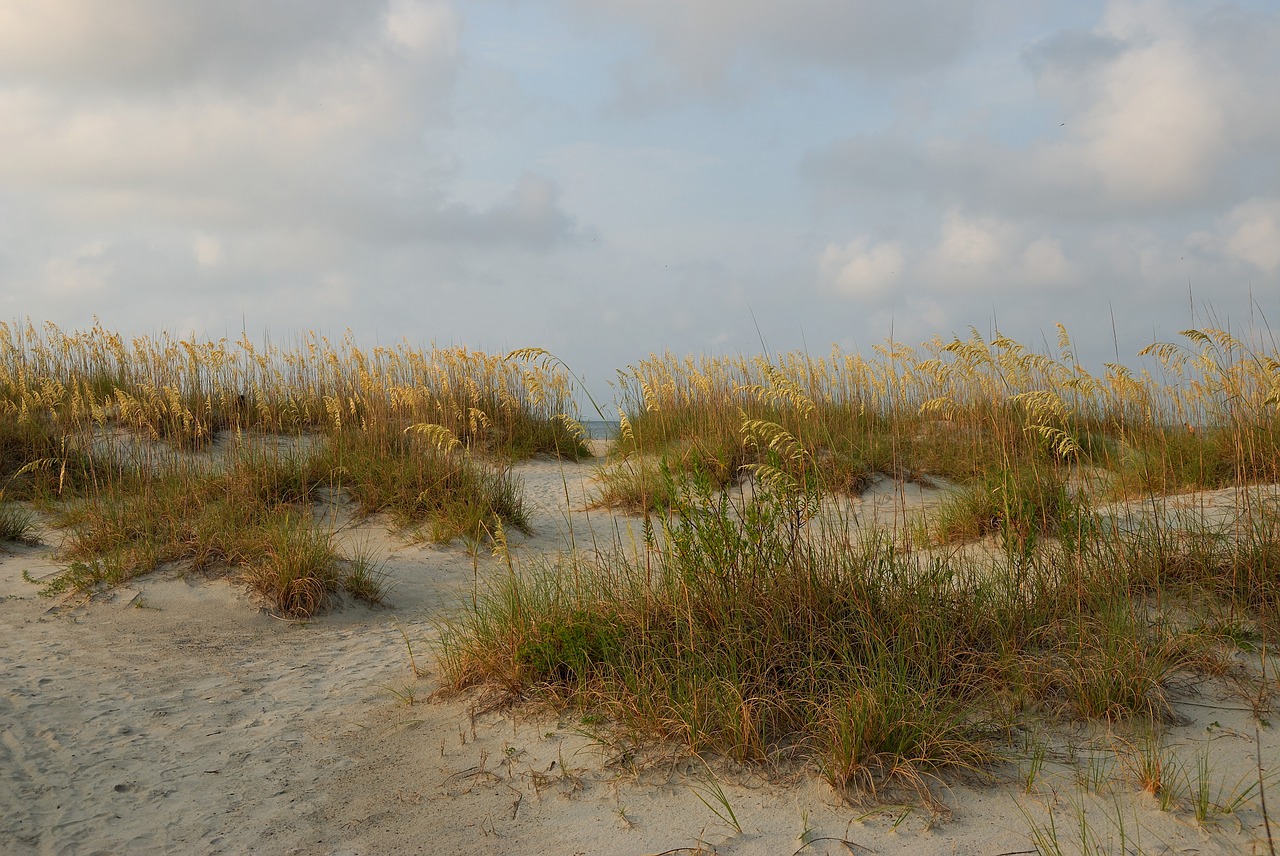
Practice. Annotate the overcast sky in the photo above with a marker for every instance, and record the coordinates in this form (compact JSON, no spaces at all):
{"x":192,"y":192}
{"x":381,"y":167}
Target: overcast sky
{"x":607,"y":178}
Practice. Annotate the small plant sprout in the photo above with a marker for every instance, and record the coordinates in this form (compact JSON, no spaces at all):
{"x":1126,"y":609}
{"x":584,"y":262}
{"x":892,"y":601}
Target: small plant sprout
{"x":406,"y":694}
{"x":711,"y":794}
{"x":1034,"y":765}
{"x":417,"y":671}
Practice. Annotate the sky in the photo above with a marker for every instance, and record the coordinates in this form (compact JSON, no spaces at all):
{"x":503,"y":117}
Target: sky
{"x":609,"y":178}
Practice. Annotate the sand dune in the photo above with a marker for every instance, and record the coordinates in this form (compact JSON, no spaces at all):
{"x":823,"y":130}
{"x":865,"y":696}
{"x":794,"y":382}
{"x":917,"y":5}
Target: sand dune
{"x":173,"y":715}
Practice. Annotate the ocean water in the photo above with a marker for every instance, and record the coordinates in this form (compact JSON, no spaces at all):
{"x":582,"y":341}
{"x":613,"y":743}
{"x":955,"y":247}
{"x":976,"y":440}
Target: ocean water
{"x":600,"y":429}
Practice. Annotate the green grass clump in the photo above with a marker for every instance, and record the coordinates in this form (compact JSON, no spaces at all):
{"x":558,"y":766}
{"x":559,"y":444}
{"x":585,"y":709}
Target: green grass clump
{"x":750,"y":631}
{"x":216,"y":517}
{"x":15,"y":521}
{"x":35,"y":461}
{"x":293,"y":566}
{"x":1018,"y":504}
{"x":889,"y":728}
{"x":1169,"y":459}
{"x":210,"y":521}
{"x":363,"y":576}
{"x":568,"y":648}
{"x":1237,"y":566}
{"x":851,"y":447}
{"x":244,"y":514}
{"x":405,"y":474}
{"x":146,"y":517}
{"x":757,"y":624}
{"x":638,"y":485}
{"x":1110,"y":664}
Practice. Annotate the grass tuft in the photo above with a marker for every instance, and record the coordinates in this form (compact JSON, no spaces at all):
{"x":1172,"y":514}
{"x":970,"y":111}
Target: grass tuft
{"x":297,"y":570}
{"x":16,"y":522}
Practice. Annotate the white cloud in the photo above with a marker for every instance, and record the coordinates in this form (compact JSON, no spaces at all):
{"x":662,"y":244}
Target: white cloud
{"x":529,"y":214}
{"x":1254,"y":233}
{"x":430,"y":28}
{"x":331,"y":144}
{"x":1156,"y":111}
{"x":1156,"y":131}
{"x":968,"y":253}
{"x":860,"y":269}
{"x":991,"y":252}
{"x":1044,"y":262}
{"x":264,"y":158}
{"x":81,"y":273}
{"x":206,"y":250}
{"x":1161,"y":103}
{"x":316,"y":129}
{"x":971,"y":247}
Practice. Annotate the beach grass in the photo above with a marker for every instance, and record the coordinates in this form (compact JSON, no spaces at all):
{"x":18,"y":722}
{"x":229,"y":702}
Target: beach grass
{"x":208,"y":455}
{"x":762,"y":621}
{"x":15,"y":521}
{"x":1061,"y":579}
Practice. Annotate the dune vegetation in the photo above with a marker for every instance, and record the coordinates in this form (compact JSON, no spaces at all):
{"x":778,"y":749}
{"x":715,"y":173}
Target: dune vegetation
{"x":210,"y":453}
{"x":761,"y":618}
{"x":1057,"y":582}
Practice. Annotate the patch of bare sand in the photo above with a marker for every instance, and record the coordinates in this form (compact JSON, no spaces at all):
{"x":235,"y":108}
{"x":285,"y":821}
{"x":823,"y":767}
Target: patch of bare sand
{"x":174,"y":716}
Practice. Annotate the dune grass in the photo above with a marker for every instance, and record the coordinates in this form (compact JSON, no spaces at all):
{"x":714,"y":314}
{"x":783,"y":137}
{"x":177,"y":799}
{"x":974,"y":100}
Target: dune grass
{"x":209,"y":454}
{"x":406,"y":475}
{"x":15,"y":521}
{"x":761,"y":622}
{"x":184,"y":391}
{"x":755,"y":630}
{"x":1202,"y":415}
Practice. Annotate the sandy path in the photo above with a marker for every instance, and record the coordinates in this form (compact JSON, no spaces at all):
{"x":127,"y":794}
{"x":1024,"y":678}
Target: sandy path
{"x":182,"y":725}
{"x":175,"y":717}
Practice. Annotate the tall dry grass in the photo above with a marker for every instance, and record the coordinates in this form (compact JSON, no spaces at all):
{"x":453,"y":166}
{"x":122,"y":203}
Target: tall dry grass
{"x":160,"y":449}
{"x":1202,"y":413}
{"x":185,"y":390}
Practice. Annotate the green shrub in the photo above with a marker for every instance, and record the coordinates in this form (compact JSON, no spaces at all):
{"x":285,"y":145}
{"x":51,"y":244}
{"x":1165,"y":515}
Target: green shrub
{"x":571,"y":649}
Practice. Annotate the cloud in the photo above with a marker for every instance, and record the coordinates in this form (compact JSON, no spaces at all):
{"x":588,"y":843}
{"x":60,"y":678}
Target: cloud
{"x":430,"y":28}
{"x":974,"y":252}
{"x":149,"y":44}
{"x":206,"y":250}
{"x":1133,"y":173}
{"x":1156,"y":131}
{"x":529,"y":215}
{"x":860,"y":269}
{"x":967,"y":254}
{"x":1155,"y":112}
{"x":344,"y":107}
{"x":80,"y":273}
{"x":1043,"y":261}
{"x":284,"y":138}
{"x":707,"y":46}
{"x":1161,"y":103}
{"x":971,"y":247}
{"x":1254,"y":233}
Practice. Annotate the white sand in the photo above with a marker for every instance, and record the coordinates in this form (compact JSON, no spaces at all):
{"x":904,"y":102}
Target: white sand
{"x":173,"y":716}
